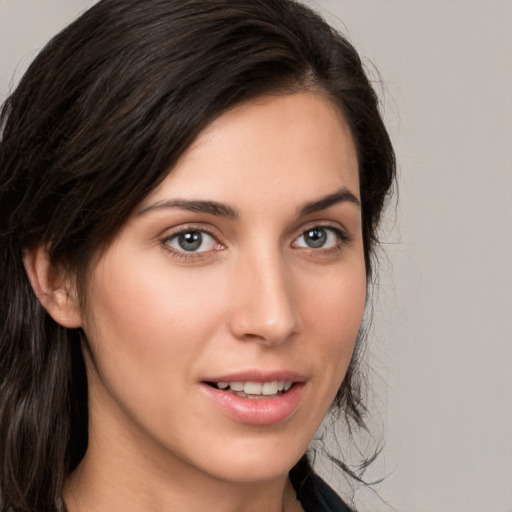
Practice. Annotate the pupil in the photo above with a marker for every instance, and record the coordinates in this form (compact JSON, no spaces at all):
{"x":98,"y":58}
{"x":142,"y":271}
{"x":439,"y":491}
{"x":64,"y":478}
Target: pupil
{"x":190,"y":241}
{"x":316,"y":238}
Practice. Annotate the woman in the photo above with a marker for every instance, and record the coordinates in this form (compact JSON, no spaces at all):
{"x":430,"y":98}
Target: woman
{"x":189,"y":194}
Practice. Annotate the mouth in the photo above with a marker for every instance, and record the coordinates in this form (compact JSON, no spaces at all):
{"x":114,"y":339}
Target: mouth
{"x":256,"y":397}
{"x":254,"y":390}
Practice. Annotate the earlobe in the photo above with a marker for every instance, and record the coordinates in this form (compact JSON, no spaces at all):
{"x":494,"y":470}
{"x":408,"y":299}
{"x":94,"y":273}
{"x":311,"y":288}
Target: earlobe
{"x":54,"y":286}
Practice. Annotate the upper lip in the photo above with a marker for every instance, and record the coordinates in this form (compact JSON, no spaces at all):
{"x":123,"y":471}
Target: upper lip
{"x":255,"y":375}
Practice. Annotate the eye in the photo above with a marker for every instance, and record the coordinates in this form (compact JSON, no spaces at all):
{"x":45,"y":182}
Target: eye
{"x":319,"y":237}
{"x":191,"y":241}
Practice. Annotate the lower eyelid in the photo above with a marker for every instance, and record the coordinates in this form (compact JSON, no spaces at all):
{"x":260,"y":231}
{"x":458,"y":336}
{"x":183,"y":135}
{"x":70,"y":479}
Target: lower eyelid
{"x":210,"y":244}
{"x":170,"y":244}
{"x":342,"y":236}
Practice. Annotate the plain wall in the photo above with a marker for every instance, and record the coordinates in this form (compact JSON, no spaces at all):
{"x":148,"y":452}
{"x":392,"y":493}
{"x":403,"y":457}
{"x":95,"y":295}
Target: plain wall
{"x":441,"y":345}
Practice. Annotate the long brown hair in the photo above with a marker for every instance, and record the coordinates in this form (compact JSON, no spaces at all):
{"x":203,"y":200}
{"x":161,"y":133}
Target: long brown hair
{"x":97,"y":121}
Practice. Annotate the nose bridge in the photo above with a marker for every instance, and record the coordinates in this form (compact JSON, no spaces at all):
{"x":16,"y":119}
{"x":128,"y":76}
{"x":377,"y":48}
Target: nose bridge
{"x":265,"y":308}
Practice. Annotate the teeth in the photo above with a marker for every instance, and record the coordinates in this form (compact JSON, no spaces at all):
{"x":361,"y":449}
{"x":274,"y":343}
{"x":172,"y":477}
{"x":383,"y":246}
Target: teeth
{"x":252,"y":388}
{"x":236,"y":386}
{"x":269,"y":388}
{"x":257,"y":388}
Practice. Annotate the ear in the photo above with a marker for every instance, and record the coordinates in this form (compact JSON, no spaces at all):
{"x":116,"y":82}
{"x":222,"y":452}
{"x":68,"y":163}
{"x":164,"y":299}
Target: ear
{"x":55,"y":288}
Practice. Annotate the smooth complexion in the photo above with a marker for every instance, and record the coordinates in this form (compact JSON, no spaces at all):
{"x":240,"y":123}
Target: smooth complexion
{"x":246,"y":264}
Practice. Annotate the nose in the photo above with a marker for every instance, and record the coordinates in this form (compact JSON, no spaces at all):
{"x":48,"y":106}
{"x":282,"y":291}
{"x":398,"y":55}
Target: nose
{"x":264,"y":306}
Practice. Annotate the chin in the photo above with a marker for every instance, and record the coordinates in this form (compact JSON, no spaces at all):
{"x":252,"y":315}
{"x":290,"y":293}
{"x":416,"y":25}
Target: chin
{"x":259,"y":463}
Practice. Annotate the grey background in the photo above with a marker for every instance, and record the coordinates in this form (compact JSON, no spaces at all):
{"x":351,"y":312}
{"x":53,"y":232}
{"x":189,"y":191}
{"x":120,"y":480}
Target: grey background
{"x":441,"y":345}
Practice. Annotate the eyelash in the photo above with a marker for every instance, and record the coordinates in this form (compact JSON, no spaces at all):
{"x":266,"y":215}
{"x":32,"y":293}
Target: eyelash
{"x":343,"y":238}
{"x":188,"y":255}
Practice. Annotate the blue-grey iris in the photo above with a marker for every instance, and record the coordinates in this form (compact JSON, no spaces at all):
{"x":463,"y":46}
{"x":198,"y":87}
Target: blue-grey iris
{"x":190,"y":241}
{"x":315,"y":238}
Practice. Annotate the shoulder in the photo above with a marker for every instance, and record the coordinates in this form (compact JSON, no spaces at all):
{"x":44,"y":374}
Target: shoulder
{"x":313,"y":493}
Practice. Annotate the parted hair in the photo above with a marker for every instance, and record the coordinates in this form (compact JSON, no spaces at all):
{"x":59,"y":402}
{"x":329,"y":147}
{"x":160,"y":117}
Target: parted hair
{"x":95,"y":124}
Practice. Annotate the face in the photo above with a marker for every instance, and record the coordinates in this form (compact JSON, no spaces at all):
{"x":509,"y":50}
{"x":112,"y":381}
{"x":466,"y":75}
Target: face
{"x":222,"y":319}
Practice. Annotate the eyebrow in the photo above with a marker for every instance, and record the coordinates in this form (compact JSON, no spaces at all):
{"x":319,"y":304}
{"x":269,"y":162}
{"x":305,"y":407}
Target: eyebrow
{"x":343,"y":195}
{"x":223,"y":210}
{"x":211,"y":207}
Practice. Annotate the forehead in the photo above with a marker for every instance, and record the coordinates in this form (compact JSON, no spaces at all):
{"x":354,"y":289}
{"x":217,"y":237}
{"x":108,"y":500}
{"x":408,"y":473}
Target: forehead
{"x":294,"y":145}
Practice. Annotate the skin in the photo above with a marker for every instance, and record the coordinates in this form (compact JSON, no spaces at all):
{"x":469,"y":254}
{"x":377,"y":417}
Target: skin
{"x":159,"y":319}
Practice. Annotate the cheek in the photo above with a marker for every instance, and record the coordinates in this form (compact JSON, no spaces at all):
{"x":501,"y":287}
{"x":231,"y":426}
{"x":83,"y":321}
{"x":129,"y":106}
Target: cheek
{"x":146,"y":321}
{"x":333,"y":317}
{"x":147,"y":332}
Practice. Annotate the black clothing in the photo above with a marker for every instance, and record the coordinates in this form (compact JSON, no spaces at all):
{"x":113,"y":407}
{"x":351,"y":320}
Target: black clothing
{"x":313,"y":493}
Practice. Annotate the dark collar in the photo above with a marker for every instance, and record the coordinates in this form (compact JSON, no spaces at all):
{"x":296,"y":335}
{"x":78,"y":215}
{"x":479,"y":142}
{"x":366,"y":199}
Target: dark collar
{"x":313,"y":493}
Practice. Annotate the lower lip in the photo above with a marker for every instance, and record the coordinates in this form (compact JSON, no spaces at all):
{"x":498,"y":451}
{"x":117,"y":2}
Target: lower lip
{"x":256,"y":411}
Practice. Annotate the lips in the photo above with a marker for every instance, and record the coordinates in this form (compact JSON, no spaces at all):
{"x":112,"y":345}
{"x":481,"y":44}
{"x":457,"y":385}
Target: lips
{"x":254,"y":398}
{"x":255,"y":389}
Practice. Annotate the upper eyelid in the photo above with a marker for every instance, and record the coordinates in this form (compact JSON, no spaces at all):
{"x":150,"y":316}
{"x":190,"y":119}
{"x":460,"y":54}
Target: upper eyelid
{"x":183,"y":228}
{"x":334,"y":225}
{"x":181,"y":254}
{"x":172,"y":233}
{"x":343,"y":236}
{"x":212,"y":231}
{"x":190,"y":230}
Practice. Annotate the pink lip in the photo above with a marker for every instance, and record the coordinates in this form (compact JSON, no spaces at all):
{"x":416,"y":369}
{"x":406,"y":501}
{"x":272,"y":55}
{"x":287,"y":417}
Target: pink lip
{"x":257,"y":376}
{"x":256,"y":411}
